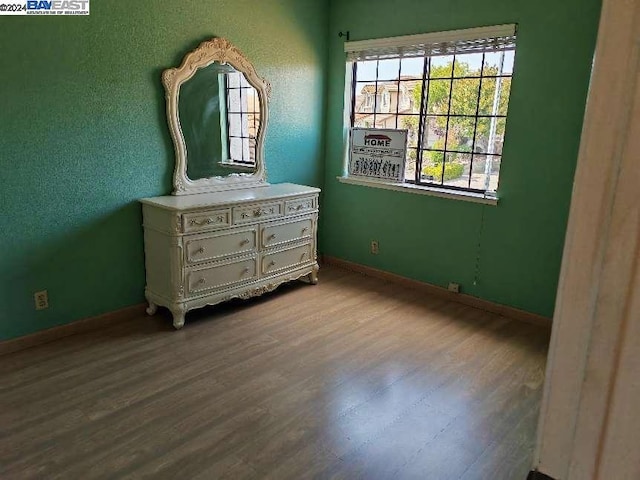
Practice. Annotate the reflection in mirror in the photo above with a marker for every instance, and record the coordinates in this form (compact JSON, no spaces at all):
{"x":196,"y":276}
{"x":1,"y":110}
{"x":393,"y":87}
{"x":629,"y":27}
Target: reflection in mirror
{"x":220,"y":116}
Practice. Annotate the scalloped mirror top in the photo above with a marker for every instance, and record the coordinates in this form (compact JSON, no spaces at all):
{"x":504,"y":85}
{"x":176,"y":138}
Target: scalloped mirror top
{"x":217,"y":110}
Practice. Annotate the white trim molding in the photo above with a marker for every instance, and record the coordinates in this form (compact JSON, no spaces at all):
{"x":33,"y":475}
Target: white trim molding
{"x":420,"y":190}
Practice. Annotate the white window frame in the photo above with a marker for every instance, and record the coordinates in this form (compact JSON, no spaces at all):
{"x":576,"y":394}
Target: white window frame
{"x":400,"y":45}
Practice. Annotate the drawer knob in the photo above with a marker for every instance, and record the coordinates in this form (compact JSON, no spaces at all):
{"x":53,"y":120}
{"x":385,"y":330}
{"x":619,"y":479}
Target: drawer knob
{"x":304,"y":254}
{"x":300,"y":207}
{"x":244,"y":242}
{"x":305,"y":230}
{"x":245,"y":271}
{"x":200,"y":250}
{"x":271,"y":264}
{"x":202,"y":281}
{"x":272,"y":236}
{"x":245,"y":215}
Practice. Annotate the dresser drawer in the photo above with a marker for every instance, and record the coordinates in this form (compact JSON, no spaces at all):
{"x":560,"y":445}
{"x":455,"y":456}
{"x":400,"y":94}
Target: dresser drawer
{"x":283,"y":259}
{"x":256,"y":213}
{"x":286,"y":232}
{"x":197,"y":222}
{"x":208,"y":247}
{"x":300,"y":205}
{"x":203,"y":279}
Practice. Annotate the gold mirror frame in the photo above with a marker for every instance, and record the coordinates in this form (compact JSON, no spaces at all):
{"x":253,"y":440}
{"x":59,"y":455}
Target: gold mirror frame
{"x":210,"y":51}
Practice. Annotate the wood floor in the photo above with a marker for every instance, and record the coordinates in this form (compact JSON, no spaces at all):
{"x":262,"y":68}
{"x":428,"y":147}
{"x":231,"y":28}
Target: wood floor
{"x":352,"y":378}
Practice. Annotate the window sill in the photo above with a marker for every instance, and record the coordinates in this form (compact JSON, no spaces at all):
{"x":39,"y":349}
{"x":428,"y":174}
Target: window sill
{"x":237,"y":166}
{"x":421,"y":190}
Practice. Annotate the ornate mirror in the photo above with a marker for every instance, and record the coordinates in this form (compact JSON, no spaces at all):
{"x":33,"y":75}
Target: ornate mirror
{"x":217,"y":109}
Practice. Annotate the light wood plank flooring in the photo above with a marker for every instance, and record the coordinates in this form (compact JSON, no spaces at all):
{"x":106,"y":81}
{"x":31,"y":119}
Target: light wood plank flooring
{"x":352,"y":378}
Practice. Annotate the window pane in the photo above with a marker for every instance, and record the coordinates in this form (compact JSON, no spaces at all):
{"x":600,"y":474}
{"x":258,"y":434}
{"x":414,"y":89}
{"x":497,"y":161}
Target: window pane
{"x":388,"y":69}
{"x":464,"y":96}
{"x":365,"y":96}
{"x":432,"y":167}
{"x":366,"y":71}
{"x":434,"y":128}
{"x":253,"y":125}
{"x":253,"y":105}
{"x":492,"y":63}
{"x":234,"y":100}
{"x":410,"y":170}
{"x":233,"y":80}
{"x":384,"y":94}
{"x":235,"y":148}
{"x":505,"y":90}
{"x":244,"y":125}
{"x":477,"y":172}
{"x":482,"y":135}
{"x":487,"y":96}
{"x":385,"y":121}
{"x":410,"y":96}
{"x":410,"y":123}
{"x":412,"y":67}
{"x":468,"y":65}
{"x":441,"y":67}
{"x":509,"y":58}
{"x":438,"y":100}
{"x":494,"y":175}
{"x":460,"y":133}
{"x":456,"y":169}
{"x":499,"y":135}
{"x":364,"y":120}
{"x":235,"y":123}
{"x":483,"y":164}
{"x":243,"y":82}
{"x":489,"y":135}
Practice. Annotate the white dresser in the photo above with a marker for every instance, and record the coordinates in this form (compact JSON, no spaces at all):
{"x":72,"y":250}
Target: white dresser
{"x":206,"y":248}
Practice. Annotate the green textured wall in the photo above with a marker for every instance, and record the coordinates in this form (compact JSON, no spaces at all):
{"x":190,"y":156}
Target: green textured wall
{"x":84,"y":135}
{"x":511,"y":251}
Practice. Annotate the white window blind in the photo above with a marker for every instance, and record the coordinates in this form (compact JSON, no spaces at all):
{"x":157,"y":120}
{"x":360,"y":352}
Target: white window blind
{"x":472,"y":40}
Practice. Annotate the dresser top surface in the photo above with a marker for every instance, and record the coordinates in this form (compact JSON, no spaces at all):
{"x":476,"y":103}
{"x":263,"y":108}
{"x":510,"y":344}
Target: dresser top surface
{"x":199,"y":200}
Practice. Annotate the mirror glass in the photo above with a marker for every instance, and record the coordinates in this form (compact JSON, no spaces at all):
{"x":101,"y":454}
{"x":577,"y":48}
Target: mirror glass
{"x":219,"y":114}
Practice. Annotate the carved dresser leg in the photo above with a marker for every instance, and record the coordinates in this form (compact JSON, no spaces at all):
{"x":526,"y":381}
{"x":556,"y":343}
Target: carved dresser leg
{"x":313,"y":276}
{"x":152,"y":308}
{"x":178,"y":313}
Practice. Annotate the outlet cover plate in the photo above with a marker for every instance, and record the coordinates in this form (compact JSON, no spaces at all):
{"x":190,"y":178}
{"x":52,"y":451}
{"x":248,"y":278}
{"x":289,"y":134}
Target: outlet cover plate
{"x":41,"y":300}
{"x":454,"y":287}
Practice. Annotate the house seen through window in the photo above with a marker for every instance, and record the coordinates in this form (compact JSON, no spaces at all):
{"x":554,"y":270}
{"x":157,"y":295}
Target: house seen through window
{"x":452,"y":96}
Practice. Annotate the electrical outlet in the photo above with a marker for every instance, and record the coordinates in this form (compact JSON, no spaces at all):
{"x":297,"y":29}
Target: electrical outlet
{"x":375,"y":248}
{"x":454,"y":287}
{"x":41,"y":299}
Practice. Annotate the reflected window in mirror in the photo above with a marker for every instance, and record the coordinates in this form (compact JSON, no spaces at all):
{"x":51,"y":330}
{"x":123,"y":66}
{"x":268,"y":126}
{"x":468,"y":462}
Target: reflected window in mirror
{"x":243,"y":119}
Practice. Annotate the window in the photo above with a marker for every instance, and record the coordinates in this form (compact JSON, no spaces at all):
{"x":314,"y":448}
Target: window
{"x":450,"y":90}
{"x":243,"y":118}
